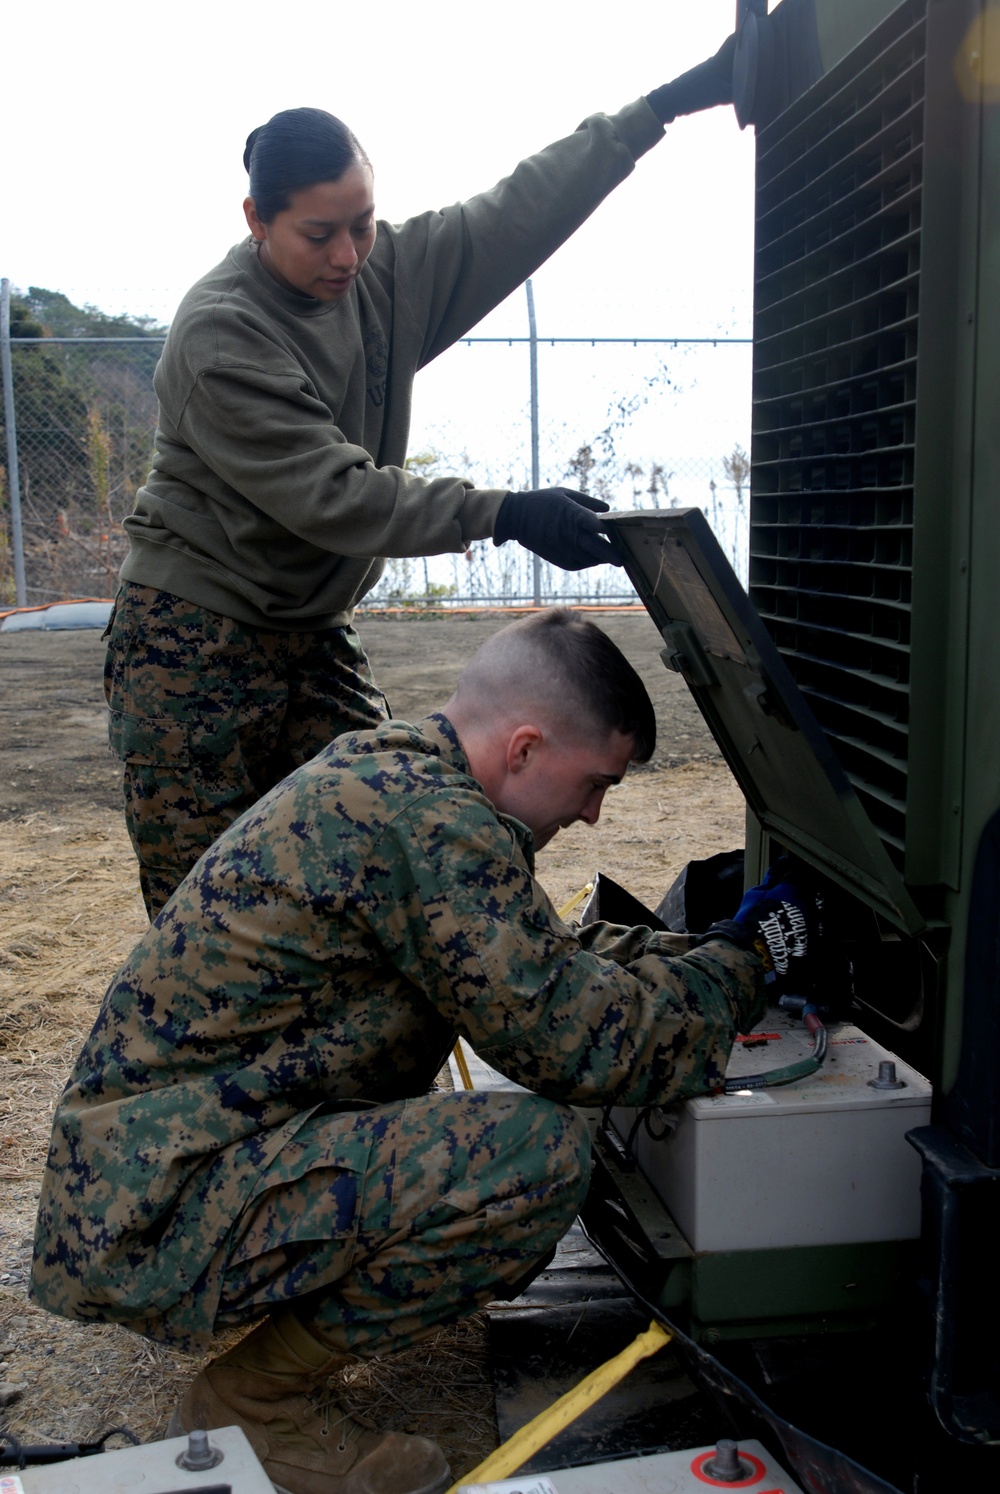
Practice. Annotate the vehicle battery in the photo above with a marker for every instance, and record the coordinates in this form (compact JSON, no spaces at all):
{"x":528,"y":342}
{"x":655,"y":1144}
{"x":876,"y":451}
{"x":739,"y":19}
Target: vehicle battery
{"x":820,"y":1161}
{"x":230,"y":1467}
{"x":690,"y":1472}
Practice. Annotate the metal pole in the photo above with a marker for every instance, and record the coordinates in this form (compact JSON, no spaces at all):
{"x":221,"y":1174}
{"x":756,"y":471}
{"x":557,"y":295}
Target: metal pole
{"x":13,"y":475}
{"x":533,"y":356}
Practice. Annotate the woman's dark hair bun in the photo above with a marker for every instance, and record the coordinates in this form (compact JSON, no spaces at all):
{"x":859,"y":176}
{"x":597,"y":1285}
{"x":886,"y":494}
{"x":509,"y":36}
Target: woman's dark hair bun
{"x":251,"y":138}
{"x":297,"y":148}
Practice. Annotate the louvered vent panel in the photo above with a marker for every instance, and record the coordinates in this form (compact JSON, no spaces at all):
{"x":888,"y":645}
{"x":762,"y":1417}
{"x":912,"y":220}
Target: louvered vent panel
{"x":835,"y":361}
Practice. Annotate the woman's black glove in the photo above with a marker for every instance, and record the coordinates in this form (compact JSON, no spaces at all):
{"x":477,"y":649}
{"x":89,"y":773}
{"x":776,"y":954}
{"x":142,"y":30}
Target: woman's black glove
{"x":559,"y":525}
{"x":702,"y":87}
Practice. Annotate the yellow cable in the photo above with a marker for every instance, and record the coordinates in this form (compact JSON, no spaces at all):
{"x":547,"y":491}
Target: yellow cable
{"x":577,"y":897}
{"x":517,"y":1450}
{"x":463,"y":1067}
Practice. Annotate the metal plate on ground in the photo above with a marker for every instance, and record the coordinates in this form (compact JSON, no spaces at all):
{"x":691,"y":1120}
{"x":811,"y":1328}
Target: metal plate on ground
{"x":153,"y":1469}
{"x":686,"y":1472}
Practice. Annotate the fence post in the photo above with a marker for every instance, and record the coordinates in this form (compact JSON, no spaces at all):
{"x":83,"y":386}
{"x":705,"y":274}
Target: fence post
{"x":13,"y":475}
{"x":536,"y":569}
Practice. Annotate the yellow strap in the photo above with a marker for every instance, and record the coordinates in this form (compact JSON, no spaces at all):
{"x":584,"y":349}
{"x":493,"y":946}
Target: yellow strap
{"x":577,"y":897}
{"x":463,"y":1067}
{"x":517,"y":1450}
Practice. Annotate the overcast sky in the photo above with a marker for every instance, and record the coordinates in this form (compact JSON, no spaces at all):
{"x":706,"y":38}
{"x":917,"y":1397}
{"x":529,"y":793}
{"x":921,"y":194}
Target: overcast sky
{"x":123,"y":129}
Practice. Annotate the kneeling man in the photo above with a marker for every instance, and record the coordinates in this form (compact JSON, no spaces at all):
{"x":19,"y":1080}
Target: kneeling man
{"x":249,"y":1133}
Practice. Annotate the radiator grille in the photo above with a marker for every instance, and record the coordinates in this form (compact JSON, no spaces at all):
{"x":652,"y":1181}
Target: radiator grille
{"x":837,"y":268}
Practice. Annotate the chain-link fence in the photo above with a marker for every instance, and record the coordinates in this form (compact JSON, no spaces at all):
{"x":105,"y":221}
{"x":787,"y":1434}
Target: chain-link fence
{"x":654,"y":424}
{"x":85,"y":416}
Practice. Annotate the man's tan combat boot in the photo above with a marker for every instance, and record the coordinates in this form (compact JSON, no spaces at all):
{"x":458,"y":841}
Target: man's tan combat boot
{"x":271,"y":1385}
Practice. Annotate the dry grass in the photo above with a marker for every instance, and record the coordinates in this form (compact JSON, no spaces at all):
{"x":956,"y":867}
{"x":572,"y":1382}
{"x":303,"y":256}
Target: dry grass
{"x":441,"y":1389}
{"x":70,"y":912}
{"x":651,"y":826}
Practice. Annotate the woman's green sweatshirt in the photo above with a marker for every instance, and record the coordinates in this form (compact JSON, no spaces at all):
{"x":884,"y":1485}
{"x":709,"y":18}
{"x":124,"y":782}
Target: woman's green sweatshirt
{"x":277,"y":481}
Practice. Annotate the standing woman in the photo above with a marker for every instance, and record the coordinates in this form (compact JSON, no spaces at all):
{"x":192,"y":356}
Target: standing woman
{"x":278,"y":483}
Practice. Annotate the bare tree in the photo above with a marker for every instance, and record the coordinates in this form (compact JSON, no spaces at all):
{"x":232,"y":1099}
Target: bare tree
{"x":580,"y":467}
{"x":736,"y":467}
{"x":659,"y":485}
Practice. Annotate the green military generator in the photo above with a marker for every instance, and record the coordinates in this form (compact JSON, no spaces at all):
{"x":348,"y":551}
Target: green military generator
{"x":845,"y":1232}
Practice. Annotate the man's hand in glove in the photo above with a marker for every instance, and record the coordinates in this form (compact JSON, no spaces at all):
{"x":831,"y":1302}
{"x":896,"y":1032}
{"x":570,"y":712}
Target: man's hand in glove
{"x":783,"y":919}
{"x":559,"y":525}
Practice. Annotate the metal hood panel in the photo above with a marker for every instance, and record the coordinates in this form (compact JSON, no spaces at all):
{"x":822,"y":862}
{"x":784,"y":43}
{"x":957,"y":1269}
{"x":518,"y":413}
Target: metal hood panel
{"x":766,"y":731}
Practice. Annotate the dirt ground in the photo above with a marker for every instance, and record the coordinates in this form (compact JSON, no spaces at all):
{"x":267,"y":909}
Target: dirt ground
{"x":70,"y":912}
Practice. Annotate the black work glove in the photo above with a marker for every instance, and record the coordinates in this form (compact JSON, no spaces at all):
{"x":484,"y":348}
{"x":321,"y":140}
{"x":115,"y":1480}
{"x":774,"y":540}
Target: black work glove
{"x":781,"y":920}
{"x":702,"y":87}
{"x":559,"y":525}
{"x":784,"y":919}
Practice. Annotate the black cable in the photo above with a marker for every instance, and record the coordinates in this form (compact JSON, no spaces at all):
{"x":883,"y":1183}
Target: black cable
{"x":14,"y":1452}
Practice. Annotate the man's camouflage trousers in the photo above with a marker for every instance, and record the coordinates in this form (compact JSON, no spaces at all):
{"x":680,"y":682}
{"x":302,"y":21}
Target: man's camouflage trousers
{"x":380,"y":1225}
{"x":207,"y":714}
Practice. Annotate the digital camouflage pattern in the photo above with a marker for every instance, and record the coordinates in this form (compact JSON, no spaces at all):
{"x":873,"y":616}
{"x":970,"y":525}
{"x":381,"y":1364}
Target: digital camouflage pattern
{"x":233,"y":1133}
{"x":207,"y":714}
{"x":457,"y":1196}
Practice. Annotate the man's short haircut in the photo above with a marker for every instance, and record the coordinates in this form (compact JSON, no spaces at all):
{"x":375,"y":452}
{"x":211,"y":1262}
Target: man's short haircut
{"x":571,"y":665}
